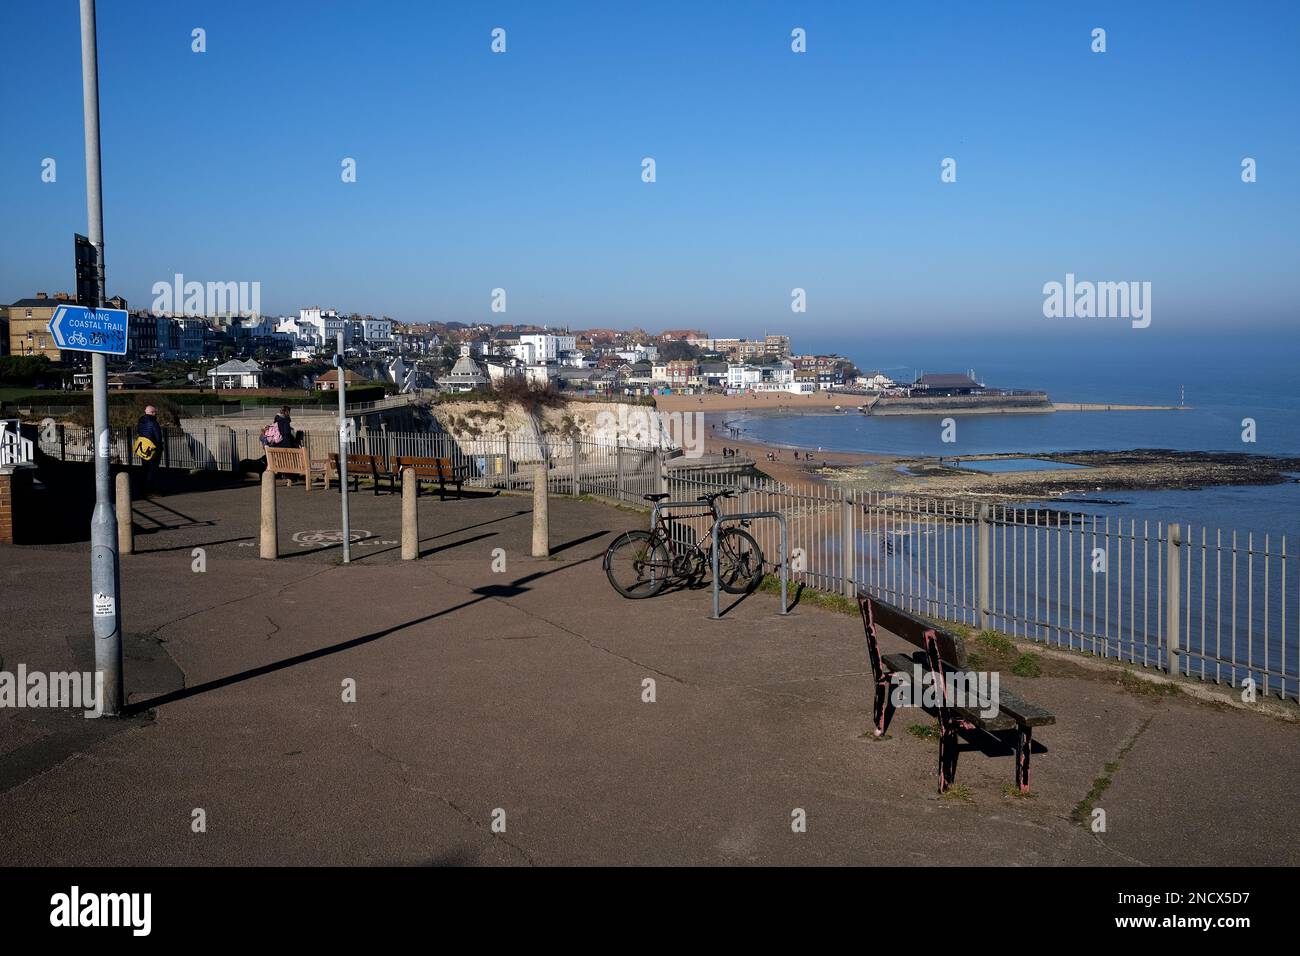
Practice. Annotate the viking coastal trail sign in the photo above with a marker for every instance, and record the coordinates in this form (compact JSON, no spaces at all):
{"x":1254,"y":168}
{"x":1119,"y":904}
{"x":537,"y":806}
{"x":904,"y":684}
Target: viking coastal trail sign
{"x":89,"y":330}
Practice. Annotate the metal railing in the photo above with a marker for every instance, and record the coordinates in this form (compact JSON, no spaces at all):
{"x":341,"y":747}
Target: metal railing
{"x":1205,"y":603}
{"x":1216,"y":605}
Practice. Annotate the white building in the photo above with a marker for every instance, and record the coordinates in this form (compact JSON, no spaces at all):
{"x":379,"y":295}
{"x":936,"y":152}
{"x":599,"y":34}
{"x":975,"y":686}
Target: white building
{"x":465,"y":375}
{"x":378,"y":333}
{"x":639,"y":353}
{"x":744,"y":376}
{"x":327,"y":324}
{"x":236,"y":374}
{"x":876,"y":381}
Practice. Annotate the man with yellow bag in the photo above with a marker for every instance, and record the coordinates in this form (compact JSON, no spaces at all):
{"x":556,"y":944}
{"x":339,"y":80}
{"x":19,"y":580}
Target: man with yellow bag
{"x":148,"y":448}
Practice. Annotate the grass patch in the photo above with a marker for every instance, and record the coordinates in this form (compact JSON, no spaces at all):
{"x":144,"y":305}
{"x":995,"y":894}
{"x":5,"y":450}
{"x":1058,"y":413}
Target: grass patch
{"x":1146,"y":688}
{"x":1082,"y":813}
{"x":838,"y":603}
{"x":959,"y":793}
{"x":1027,"y":665}
{"x":1011,"y":790}
{"x":995,"y":644}
{"x":924,"y":731}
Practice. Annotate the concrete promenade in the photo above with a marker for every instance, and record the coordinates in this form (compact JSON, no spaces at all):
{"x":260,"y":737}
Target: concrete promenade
{"x":521,"y":690}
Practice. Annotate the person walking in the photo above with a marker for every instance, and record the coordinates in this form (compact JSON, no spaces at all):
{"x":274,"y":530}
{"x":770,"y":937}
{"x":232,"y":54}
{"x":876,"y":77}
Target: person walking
{"x":148,"y":448}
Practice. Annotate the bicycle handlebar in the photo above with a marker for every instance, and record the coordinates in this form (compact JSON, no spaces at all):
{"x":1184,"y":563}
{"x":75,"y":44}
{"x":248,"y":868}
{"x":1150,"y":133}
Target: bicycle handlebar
{"x":713,"y":495}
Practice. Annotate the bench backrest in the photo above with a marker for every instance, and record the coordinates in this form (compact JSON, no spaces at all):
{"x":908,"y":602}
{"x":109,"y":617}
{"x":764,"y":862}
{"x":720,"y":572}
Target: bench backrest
{"x":356,"y":463}
{"x":427,"y":467}
{"x":286,"y":460}
{"x":952,"y":648}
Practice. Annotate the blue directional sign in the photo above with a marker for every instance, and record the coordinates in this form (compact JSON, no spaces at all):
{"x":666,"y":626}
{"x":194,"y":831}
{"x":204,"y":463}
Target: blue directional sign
{"x":89,"y":330}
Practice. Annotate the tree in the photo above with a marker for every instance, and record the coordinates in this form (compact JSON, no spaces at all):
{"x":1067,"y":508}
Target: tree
{"x":677,"y":350}
{"x":26,"y":370}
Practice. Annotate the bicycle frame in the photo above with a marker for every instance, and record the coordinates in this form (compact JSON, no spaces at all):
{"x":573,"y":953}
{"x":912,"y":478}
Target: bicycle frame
{"x":661,"y":527}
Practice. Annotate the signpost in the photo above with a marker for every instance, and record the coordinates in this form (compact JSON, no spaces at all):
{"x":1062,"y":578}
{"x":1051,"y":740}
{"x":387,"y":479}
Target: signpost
{"x":105,"y":607}
{"x":89,"y":330}
{"x":345,"y":434}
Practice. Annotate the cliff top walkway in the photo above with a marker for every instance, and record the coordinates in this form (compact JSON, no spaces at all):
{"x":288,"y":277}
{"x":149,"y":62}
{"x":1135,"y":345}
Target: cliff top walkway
{"x":522,"y":688}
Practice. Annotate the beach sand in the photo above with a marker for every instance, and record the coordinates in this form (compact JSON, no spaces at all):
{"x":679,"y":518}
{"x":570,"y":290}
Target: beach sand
{"x":763,"y":401}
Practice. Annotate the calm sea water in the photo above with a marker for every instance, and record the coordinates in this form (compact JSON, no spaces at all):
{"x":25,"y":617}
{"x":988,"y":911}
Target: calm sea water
{"x":1225,"y":380}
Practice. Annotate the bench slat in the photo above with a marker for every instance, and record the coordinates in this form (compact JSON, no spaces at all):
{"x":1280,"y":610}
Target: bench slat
{"x":952,"y":649}
{"x":1025,"y":713}
{"x":1013,"y":711}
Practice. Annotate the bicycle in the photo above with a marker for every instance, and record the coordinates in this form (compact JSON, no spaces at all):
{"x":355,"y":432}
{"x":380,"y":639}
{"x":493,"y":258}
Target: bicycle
{"x":639,"y":564}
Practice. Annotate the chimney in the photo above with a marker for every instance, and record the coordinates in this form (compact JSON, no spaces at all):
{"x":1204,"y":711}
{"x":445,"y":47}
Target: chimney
{"x":41,"y":295}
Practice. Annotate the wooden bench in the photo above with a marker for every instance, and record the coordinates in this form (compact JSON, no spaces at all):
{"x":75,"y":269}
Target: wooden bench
{"x":363,"y":466}
{"x":440,"y":470}
{"x":943,"y":655}
{"x":295,"y":461}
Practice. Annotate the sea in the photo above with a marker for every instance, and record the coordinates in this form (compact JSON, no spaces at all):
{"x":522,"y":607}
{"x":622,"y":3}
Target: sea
{"x":1235,"y":386}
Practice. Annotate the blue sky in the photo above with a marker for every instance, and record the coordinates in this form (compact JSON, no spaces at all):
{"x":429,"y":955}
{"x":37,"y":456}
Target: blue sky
{"x":774,"y":170}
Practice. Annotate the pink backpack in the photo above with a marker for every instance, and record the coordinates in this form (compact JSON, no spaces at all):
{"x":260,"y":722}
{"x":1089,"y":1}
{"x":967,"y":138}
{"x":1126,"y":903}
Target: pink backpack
{"x":272,"y":434}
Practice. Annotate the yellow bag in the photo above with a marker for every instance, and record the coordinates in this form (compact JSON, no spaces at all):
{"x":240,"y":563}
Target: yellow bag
{"x":144,"y":448}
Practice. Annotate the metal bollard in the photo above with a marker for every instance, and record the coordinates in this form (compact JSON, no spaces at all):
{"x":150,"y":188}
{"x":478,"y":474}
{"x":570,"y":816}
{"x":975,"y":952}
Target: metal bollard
{"x":270,"y":536}
{"x":410,"y":518}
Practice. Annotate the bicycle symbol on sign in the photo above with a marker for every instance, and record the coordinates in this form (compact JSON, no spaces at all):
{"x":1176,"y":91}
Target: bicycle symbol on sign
{"x":78,"y":338}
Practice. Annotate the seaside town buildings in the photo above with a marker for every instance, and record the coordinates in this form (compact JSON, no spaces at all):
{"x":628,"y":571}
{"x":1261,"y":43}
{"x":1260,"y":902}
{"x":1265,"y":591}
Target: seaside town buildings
{"x":242,"y":351}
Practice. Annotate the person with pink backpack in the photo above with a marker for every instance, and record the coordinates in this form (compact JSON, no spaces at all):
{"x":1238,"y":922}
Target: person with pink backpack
{"x":279,"y":434}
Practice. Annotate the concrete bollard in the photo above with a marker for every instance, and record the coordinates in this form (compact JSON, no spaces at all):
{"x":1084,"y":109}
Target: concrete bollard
{"x":270,"y":531}
{"x":541,"y":516}
{"x":125,"y":526}
{"x":410,"y":518}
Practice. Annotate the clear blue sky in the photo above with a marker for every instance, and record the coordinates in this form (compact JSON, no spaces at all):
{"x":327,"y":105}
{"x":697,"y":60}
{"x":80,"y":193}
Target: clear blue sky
{"x":775,"y":170}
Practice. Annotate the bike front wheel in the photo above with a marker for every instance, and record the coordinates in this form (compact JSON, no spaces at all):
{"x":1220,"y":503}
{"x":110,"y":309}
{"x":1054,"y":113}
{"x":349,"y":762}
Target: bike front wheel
{"x":740,"y":561}
{"x":638,"y":565}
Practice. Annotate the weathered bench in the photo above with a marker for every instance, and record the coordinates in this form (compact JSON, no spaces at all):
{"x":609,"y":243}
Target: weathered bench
{"x":440,"y":470}
{"x":943,"y":656}
{"x":365,"y":466}
{"x":295,"y":461}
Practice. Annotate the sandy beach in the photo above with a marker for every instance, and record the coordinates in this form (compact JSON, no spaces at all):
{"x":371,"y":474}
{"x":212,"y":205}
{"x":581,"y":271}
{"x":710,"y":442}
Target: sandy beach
{"x":762,"y":401}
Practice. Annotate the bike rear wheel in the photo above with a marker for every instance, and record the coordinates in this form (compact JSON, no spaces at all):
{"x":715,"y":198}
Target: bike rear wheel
{"x":638,"y":565}
{"x":740,"y":561}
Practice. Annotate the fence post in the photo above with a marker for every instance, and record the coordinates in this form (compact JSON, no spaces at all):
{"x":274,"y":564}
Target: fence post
{"x":63,"y":442}
{"x":410,"y":517}
{"x":618,"y":467}
{"x":577,"y":490}
{"x":661,"y":462}
{"x":270,"y":544}
{"x":982,"y":571}
{"x":848,"y":545}
{"x":1173,"y":580}
{"x":125,"y":527}
{"x":509,"y":480}
{"x":541,"y":516}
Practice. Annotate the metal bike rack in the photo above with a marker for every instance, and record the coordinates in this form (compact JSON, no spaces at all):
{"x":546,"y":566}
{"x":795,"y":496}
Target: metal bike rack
{"x":785,"y":553}
{"x":661,"y":505}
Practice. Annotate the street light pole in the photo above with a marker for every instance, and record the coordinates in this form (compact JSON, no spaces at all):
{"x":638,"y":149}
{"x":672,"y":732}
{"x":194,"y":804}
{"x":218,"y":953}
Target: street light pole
{"x":344,"y":445}
{"x":105,"y":609}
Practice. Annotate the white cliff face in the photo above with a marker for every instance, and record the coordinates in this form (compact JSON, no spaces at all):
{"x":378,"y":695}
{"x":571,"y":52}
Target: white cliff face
{"x":606,"y":422}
